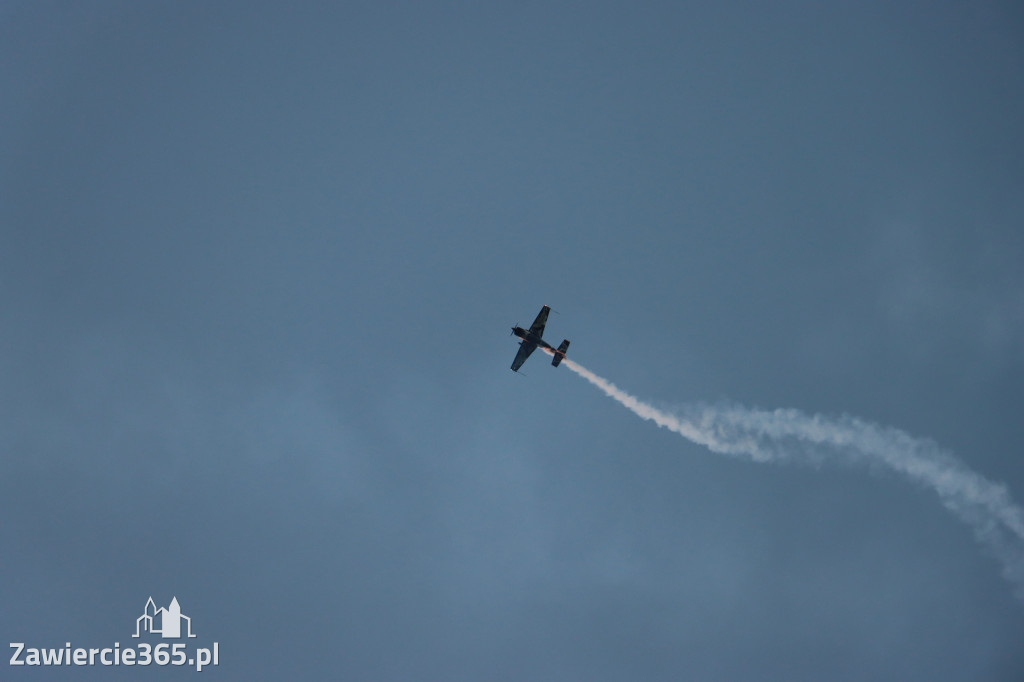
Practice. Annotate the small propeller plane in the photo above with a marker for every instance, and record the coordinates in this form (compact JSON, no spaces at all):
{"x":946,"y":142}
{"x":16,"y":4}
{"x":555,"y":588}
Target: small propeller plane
{"x":531,"y":339}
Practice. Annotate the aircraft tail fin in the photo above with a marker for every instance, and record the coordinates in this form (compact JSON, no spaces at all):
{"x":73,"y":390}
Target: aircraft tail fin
{"x":560,"y":353}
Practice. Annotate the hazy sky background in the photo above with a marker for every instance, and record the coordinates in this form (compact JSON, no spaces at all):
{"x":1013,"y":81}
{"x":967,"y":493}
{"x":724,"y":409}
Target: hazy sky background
{"x":258,"y":265}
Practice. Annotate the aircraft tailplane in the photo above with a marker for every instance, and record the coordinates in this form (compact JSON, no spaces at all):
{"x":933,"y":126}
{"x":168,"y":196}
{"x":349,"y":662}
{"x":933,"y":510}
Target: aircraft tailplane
{"x":560,"y":353}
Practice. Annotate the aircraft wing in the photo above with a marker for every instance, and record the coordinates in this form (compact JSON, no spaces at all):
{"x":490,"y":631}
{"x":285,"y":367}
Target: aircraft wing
{"x":525,"y":348}
{"x":542,"y":319}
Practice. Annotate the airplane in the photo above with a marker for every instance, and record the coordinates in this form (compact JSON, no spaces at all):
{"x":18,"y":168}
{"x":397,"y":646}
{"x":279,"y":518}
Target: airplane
{"x":531,"y":339}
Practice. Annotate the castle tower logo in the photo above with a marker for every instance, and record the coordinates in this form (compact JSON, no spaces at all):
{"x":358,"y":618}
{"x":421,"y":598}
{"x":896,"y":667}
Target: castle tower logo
{"x":169,"y":620}
{"x":164,"y":622}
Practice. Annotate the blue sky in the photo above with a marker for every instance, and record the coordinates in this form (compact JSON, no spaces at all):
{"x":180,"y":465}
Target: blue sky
{"x":258,"y":263}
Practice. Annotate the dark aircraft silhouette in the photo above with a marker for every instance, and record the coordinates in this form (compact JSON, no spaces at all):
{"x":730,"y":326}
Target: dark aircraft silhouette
{"x":531,"y":339}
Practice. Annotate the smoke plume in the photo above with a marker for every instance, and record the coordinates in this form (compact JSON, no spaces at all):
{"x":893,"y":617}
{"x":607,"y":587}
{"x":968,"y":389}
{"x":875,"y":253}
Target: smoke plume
{"x":790,"y":435}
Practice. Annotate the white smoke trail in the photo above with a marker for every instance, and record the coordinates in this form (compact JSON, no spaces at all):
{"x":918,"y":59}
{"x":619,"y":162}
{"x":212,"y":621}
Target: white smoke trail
{"x":782,"y":435}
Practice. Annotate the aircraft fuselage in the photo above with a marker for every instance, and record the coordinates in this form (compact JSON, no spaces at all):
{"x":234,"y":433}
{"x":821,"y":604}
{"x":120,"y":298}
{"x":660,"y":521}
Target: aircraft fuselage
{"x":530,"y":337}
